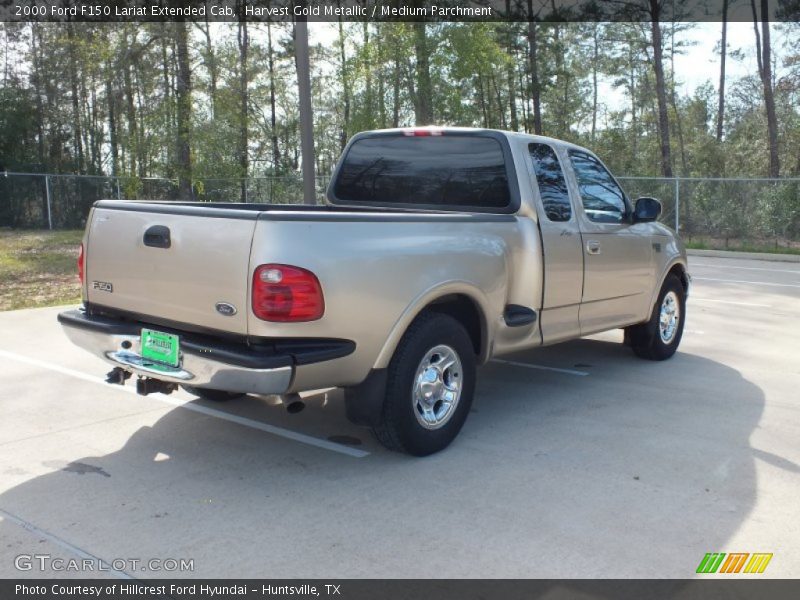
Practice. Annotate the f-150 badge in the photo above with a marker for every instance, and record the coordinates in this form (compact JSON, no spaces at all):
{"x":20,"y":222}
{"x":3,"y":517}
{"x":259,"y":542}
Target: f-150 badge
{"x":102,"y":286}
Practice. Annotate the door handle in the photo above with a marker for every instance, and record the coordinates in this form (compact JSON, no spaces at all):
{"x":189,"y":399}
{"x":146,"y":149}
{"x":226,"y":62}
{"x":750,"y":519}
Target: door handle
{"x":593,"y":247}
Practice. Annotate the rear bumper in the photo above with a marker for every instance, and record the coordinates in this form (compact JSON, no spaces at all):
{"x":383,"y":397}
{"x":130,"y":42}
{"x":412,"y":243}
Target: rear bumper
{"x":266,"y":368}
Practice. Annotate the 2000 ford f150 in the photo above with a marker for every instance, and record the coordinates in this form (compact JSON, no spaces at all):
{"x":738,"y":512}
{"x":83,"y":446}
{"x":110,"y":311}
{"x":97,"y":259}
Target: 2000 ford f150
{"x":438,"y":249}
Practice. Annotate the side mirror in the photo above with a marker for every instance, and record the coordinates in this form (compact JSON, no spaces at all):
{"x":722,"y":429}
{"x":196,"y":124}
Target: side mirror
{"x":646,"y":210}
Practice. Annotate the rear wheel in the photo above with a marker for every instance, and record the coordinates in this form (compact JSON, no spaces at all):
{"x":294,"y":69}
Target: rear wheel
{"x":659,"y":338}
{"x":430,"y":384}
{"x":213,"y":395}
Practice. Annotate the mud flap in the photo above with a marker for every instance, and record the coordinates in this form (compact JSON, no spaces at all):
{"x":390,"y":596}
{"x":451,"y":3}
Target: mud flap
{"x":364,"y":402}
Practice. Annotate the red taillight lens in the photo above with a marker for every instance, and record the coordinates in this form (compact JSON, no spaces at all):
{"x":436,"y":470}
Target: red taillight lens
{"x":80,"y":264}
{"x":285,"y":293}
{"x":422,"y":132}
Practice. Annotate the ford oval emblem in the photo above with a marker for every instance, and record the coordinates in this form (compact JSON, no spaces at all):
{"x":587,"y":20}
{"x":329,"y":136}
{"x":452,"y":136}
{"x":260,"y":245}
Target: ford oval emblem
{"x":225,"y":308}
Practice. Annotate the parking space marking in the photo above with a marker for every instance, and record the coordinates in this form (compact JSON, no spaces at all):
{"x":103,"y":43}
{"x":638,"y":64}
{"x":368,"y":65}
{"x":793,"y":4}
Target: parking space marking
{"x":540,"y":367}
{"x":695,"y":299}
{"x":211,"y":412}
{"x":791,"y":285}
{"x":796,"y":272}
{"x":71,"y":548}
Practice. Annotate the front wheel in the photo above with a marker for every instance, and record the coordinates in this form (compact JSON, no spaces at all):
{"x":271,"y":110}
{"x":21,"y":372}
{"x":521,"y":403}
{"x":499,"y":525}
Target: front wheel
{"x":430,"y":384}
{"x":659,"y":338}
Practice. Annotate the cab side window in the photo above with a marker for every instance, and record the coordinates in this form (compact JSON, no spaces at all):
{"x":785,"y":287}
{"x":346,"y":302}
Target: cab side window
{"x":552,"y":185}
{"x":603,"y":200}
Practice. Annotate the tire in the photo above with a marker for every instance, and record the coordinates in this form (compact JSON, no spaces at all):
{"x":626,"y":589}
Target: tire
{"x":653,"y":341}
{"x":419,"y":416}
{"x":213,"y":395}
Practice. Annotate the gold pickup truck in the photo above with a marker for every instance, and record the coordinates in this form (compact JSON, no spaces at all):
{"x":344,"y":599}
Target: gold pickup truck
{"x":438,"y":249}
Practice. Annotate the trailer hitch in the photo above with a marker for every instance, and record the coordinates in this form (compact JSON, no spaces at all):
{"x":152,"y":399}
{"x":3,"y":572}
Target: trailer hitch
{"x":117,"y":376}
{"x":147,"y":385}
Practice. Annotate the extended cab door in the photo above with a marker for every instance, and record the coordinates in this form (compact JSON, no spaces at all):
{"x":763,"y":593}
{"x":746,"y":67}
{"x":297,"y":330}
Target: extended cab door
{"x":561,"y":241}
{"x":618,"y":255}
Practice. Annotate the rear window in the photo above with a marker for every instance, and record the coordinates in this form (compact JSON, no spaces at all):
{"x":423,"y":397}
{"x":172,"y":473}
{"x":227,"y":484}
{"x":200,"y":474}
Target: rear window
{"x":448,"y":170}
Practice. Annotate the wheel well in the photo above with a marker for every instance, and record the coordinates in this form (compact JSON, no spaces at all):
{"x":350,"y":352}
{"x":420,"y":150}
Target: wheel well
{"x":680,"y":272}
{"x":464,"y":310}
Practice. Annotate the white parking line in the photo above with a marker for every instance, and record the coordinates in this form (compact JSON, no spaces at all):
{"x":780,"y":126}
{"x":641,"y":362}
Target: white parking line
{"x":540,"y":367}
{"x":82,"y":554}
{"x":791,"y":285}
{"x":211,"y":412}
{"x":695,"y":299}
{"x":796,"y":272}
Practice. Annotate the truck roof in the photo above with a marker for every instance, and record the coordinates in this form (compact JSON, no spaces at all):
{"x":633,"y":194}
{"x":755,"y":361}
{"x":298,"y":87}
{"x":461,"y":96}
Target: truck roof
{"x":510,"y":134}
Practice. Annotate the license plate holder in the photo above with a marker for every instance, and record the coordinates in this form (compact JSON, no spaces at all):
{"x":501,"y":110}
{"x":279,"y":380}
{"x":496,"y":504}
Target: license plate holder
{"x":161,"y":348}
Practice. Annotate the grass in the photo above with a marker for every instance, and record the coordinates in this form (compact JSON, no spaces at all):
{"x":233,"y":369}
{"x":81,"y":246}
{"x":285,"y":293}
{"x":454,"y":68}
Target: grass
{"x":741,"y":246}
{"x":38,"y":268}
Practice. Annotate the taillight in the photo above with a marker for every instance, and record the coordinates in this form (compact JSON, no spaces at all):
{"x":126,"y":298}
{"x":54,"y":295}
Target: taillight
{"x":80,"y":264}
{"x":285,"y":293}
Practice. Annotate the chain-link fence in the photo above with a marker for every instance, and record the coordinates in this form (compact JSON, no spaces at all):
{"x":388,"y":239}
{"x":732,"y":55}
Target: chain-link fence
{"x":36,"y":201}
{"x":721,"y":211}
{"x":727,"y":211}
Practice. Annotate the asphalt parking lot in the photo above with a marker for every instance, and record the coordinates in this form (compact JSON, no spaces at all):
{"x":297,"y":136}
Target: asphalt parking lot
{"x":578,"y":460}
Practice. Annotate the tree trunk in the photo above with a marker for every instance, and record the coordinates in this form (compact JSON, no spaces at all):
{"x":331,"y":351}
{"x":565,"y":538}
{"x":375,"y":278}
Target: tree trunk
{"x":765,"y":68}
{"x":523,"y":85}
{"x":244,"y":44}
{"x":661,"y":94}
{"x":94,"y":131}
{"x":500,"y":108}
{"x":510,"y":68}
{"x":674,"y":102}
{"x":211,"y":64}
{"x":184,"y":114}
{"x":276,"y":156}
{"x":130,"y":113}
{"x":168,"y":119}
{"x":595,"y":60}
{"x":37,"y":84}
{"x":112,"y":127}
{"x":423,"y":108}
{"x":396,"y":88}
{"x":344,"y":73}
{"x":76,"y":113}
{"x":482,"y":100}
{"x":382,"y":73}
{"x":142,"y":157}
{"x":764,"y":59}
{"x":634,"y":98}
{"x":533,"y":58}
{"x":369,"y":101}
{"x":723,"y":55}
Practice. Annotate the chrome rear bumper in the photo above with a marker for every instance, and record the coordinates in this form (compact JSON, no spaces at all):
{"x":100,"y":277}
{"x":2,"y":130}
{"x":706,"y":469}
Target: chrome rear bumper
{"x":198,"y":367}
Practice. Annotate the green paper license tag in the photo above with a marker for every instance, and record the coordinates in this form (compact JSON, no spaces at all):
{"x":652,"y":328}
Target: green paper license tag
{"x":160,"y":347}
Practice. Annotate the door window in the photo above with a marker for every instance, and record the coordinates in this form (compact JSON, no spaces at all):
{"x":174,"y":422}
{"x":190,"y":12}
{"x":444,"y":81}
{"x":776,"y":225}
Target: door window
{"x":552,"y":185}
{"x":603,"y":200}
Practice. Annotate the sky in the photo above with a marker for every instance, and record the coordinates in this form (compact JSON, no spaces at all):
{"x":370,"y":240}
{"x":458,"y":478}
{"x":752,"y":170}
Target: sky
{"x":700,"y":63}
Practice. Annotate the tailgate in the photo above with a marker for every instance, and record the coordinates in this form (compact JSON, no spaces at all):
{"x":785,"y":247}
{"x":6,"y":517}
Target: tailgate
{"x":177,"y":267}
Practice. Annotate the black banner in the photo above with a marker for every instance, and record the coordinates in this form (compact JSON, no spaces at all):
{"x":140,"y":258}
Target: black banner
{"x":392,"y":10}
{"x":610,"y":589}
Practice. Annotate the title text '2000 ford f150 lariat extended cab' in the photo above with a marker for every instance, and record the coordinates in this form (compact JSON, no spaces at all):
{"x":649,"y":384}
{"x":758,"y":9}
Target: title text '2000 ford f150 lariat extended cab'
{"x":437,"y":250}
